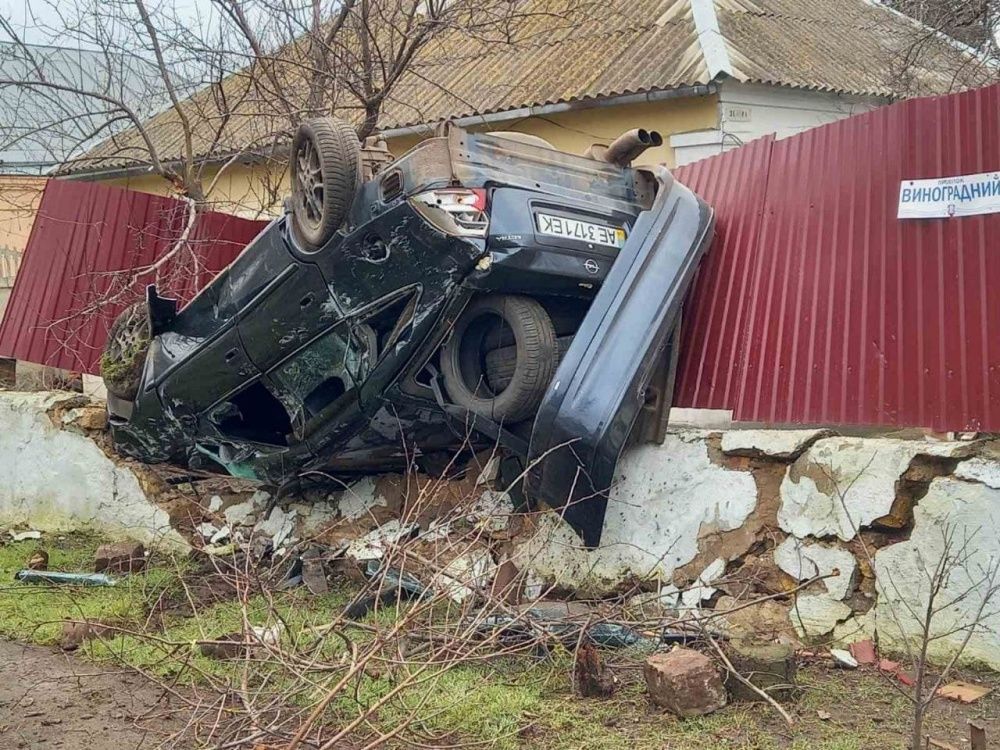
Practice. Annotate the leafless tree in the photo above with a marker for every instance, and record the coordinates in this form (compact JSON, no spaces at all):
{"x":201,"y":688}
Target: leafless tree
{"x":185,"y":98}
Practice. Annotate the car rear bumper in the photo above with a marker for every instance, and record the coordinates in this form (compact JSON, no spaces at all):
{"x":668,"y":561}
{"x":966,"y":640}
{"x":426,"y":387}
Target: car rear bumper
{"x":593,"y":401}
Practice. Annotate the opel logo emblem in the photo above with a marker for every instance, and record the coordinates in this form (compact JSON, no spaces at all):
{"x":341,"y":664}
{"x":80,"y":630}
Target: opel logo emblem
{"x":591,"y":265}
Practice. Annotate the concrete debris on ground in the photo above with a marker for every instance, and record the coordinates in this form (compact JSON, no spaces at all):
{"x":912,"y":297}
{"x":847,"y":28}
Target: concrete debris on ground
{"x":843,"y":659}
{"x":685,"y":682}
{"x":705,"y":525}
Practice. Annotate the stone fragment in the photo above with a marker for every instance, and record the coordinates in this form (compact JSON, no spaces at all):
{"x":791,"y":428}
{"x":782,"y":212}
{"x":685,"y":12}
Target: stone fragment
{"x":844,"y":484}
{"x":241,"y":514}
{"x":843,"y":659}
{"x":814,"y":615}
{"x":492,"y":511}
{"x":39,"y":560}
{"x":372,"y":546}
{"x":490,"y":471}
{"x":465,"y":575}
{"x":220,"y":535}
{"x":207,"y":530}
{"x":784,"y":445}
{"x":23,"y":536}
{"x":358,"y":500}
{"x":685,"y":682}
{"x":855,"y":628}
{"x":279,"y":526}
{"x":120,"y":557}
{"x":770,"y":667}
{"x":701,"y":589}
{"x":88,"y":418}
{"x":804,"y":561}
{"x":215,"y":504}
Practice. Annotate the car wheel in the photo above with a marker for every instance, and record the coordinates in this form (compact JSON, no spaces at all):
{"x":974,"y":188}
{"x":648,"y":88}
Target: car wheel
{"x":498,"y":322}
{"x":501,"y":363}
{"x":125,"y":352}
{"x":325,"y":171}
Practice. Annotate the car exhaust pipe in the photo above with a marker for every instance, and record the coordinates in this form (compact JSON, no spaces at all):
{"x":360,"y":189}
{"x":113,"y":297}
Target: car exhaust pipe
{"x":630,"y":145}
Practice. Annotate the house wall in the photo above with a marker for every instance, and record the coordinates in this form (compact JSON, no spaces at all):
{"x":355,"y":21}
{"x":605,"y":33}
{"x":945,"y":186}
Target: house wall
{"x":19,"y":199}
{"x":750,"y":111}
{"x":254,"y":191}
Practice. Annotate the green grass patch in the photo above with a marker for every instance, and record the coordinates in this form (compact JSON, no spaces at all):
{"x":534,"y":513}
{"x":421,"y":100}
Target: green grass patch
{"x":34,"y":612}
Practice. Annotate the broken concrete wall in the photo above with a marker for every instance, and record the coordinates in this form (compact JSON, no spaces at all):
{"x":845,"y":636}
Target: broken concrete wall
{"x":838,"y":533}
{"x":53,"y":477}
{"x":844,"y":531}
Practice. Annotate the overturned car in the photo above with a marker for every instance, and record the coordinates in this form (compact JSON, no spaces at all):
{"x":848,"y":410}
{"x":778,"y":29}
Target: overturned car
{"x":483,"y":289}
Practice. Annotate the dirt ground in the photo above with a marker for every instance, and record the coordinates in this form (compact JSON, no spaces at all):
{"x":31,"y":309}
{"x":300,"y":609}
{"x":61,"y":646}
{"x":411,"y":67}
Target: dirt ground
{"x":51,"y":700}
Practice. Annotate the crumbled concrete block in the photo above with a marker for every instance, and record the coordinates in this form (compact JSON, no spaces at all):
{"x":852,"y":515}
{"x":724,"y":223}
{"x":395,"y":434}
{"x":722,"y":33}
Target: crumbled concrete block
{"x":814,"y":615}
{"x":843,"y":659}
{"x":804,"y":561}
{"x":762,"y":622}
{"x":372,"y":546}
{"x":120,"y":557}
{"x":982,"y":469}
{"x":241,"y":514}
{"x":685,"y":682}
{"x":465,"y":575}
{"x":360,"y":498}
{"x":492,"y":510}
{"x":783,"y":445}
{"x":87,"y":418}
{"x":220,"y":535}
{"x":55,"y":479}
{"x":279,"y":526}
{"x":843,"y":484}
{"x":701,"y":589}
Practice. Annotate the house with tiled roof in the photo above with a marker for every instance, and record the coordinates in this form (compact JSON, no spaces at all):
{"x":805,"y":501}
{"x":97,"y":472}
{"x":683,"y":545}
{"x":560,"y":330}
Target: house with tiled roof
{"x":709,"y":75}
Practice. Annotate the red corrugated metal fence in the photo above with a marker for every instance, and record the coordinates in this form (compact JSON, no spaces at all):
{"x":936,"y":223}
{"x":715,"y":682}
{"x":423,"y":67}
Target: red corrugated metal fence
{"x":817,"y":306}
{"x":88,"y":245}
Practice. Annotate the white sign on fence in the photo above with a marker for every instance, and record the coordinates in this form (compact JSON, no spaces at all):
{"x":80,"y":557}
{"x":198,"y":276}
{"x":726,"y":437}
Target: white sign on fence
{"x":941,"y":198}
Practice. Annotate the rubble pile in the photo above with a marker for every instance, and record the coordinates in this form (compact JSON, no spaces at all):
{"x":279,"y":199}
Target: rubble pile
{"x":788,"y":539}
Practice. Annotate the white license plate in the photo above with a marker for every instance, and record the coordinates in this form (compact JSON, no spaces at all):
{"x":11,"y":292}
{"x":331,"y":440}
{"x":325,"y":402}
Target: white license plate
{"x":584,"y":231}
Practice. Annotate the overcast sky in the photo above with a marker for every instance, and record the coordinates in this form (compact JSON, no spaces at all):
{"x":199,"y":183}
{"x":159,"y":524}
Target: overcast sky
{"x":28,"y":15}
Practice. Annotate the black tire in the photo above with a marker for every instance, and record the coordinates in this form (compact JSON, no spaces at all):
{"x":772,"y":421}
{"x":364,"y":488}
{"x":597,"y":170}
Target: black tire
{"x":325,"y":168}
{"x":480,"y":330}
{"x":501,"y":363}
{"x":125,"y":352}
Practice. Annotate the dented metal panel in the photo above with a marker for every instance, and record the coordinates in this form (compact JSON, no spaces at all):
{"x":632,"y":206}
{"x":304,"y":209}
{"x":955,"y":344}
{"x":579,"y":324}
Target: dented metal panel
{"x":818,"y":306}
{"x":84,"y":237}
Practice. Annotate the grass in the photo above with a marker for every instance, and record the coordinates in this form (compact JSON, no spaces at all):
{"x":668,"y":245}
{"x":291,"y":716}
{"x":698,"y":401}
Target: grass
{"x":34,"y":613}
{"x":507,"y":704}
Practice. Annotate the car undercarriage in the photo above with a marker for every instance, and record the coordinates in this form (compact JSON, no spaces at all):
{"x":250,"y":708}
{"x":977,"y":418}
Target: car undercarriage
{"x":484,"y":290}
